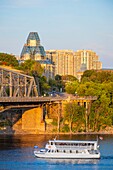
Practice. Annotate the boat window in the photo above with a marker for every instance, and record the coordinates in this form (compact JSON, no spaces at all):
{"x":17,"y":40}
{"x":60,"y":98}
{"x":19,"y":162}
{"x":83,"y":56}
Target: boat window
{"x":51,"y":143}
{"x":83,"y":144}
{"x":76,"y":144}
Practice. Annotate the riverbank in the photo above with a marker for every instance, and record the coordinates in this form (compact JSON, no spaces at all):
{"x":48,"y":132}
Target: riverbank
{"x":11,"y":132}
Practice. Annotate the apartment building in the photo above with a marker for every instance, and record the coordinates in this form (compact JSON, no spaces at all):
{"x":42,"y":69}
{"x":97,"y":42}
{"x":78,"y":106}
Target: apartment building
{"x":68,"y":62}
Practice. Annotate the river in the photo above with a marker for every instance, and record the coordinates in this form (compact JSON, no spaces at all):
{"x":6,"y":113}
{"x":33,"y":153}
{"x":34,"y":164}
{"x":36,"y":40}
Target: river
{"x":16,"y":153}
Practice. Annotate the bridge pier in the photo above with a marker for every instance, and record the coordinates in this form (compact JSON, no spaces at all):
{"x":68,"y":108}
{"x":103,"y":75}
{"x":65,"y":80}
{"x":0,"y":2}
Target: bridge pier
{"x":32,"y":120}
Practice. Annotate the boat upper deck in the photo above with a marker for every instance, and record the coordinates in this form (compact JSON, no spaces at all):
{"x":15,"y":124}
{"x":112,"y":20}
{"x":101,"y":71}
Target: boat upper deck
{"x":72,"y":142}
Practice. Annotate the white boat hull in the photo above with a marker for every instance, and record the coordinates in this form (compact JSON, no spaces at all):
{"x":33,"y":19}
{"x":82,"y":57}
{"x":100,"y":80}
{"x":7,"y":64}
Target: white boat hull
{"x":66,"y":155}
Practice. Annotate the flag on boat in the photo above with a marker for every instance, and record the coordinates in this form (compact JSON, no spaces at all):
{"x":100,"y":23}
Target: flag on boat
{"x":35,"y":147}
{"x":100,"y":137}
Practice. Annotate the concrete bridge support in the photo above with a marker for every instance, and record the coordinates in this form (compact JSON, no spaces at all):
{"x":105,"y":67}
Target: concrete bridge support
{"x":32,"y":120}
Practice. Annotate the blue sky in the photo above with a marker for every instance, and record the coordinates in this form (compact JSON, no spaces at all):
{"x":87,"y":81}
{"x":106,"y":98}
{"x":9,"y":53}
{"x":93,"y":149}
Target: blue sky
{"x":61,"y":24}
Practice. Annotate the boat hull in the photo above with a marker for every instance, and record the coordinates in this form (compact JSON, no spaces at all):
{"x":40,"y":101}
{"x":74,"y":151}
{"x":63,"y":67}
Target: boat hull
{"x":66,"y":156}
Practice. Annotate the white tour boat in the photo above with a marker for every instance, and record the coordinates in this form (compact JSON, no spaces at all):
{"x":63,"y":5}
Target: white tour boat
{"x":69,"y":149}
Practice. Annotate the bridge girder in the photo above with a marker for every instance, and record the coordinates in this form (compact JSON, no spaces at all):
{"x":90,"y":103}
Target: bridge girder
{"x":16,"y":84}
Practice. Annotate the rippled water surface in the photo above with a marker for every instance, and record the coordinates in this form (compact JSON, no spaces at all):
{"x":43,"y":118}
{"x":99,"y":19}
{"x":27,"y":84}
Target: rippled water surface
{"x":16,"y":153}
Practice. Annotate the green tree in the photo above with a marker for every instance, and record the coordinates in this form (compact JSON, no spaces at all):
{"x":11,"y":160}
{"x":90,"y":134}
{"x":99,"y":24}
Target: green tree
{"x":44,"y":86}
{"x":97,"y":76}
{"x":74,"y":114}
{"x":8,"y":60}
{"x":58,"y":77}
{"x":71,"y":87}
{"x":59,"y":83}
{"x":31,"y":67}
{"x":52,"y":84}
{"x":89,"y":89}
{"x":69,"y":78}
{"x":100,"y":116}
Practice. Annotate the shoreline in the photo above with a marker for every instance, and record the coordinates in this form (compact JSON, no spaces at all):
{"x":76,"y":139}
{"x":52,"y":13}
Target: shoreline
{"x":60,"y":133}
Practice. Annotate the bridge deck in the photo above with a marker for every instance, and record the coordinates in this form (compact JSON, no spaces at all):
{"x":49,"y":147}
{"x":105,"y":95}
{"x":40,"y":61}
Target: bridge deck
{"x":43,"y":99}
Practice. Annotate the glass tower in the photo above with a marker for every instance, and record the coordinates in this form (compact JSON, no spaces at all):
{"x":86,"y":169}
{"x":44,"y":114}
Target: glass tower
{"x":32,"y":49}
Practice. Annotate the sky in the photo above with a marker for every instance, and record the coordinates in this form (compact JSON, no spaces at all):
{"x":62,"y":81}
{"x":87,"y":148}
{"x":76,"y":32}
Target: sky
{"x":61,"y":24}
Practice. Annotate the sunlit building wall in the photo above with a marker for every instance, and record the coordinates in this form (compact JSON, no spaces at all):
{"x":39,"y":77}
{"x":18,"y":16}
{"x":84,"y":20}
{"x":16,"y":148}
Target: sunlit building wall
{"x":64,"y":61}
{"x":89,"y":59}
{"x":68,"y":62}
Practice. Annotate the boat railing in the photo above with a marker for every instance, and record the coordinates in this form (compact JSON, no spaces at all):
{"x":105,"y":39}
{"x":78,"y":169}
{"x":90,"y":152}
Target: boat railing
{"x":75,"y":147}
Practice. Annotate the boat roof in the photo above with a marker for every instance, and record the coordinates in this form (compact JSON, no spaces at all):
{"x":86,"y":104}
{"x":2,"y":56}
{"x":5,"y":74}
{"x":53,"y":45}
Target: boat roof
{"x":72,"y":141}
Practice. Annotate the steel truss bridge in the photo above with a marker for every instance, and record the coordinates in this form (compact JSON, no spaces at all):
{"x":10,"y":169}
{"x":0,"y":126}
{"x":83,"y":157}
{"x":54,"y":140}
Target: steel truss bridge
{"x":15,"y":84}
{"x":18,"y":90}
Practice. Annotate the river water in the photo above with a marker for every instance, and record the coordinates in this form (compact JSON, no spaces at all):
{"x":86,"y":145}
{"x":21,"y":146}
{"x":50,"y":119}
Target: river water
{"x":16,"y":153}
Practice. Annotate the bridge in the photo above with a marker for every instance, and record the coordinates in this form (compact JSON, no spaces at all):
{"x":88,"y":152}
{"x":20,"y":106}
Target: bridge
{"x":20,"y":92}
{"x":15,"y":84}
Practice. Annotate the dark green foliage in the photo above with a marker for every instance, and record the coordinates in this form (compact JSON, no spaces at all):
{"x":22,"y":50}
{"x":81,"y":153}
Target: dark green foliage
{"x":71,"y":87}
{"x":52,"y":84}
{"x":75,"y":115}
{"x":65,"y":128}
{"x":97,"y":76}
{"x":58,"y":77}
{"x":57,"y":84}
{"x":44,"y":86}
{"x":8,"y":60}
{"x":31,"y":67}
{"x":69,"y":78}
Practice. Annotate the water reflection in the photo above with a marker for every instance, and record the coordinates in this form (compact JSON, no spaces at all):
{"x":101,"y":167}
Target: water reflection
{"x":16,"y":152}
{"x":72,"y":161}
{"x":22,"y":141}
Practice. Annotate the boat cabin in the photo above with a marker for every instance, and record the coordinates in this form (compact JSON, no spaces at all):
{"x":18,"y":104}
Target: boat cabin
{"x":58,"y":144}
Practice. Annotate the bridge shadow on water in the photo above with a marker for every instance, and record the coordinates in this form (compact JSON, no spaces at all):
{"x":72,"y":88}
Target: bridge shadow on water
{"x":9,"y":118}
